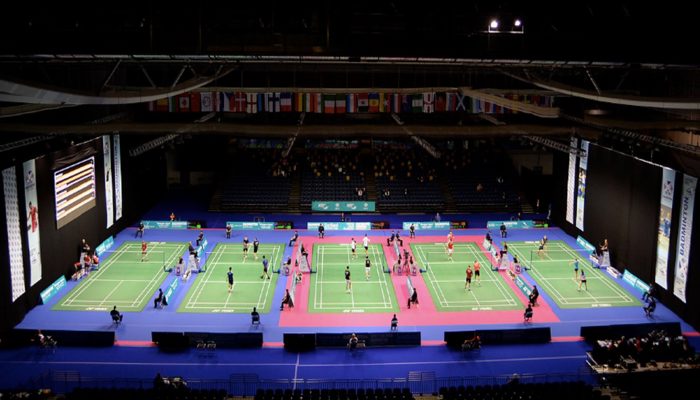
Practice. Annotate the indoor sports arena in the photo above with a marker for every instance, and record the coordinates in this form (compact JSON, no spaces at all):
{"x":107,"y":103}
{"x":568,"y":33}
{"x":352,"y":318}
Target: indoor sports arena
{"x":349,"y":201}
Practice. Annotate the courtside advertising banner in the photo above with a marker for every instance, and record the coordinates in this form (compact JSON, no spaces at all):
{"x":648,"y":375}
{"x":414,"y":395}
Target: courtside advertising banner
{"x":33,"y":240}
{"x":664,"y":233}
{"x":571,"y":184}
{"x":581,"y":195}
{"x":117,"y":178}
{"x":685,"y":231}
{"x":107,"y":160}
{"x":14,"y":235}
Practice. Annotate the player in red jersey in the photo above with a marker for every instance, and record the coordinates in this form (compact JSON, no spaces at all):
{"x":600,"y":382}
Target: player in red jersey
{"x":144,"y":251}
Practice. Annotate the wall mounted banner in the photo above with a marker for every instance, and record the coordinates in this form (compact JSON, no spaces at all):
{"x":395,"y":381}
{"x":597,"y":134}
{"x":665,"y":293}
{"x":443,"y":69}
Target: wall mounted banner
{"x":427,"y":225}
{"x":685,"y":231}
{"x":117,"y":178}
{"x":254,"y":226}
{"x":585,"y":243}
{"x":522,"y":224}
{"x":52,"y":290}
{"x":107,"y":160}
{"x":668,"y":183}
{"x":30,"y":196}
{"x":634,"y":281}
{"x":346,"y":206}
{"x":581,"y":194}
{"x":104,"y":246}
{"x":14,"y":235}
{"x":571,"y":183}
{"x":164,"y":224}
{"x":340,"y":226}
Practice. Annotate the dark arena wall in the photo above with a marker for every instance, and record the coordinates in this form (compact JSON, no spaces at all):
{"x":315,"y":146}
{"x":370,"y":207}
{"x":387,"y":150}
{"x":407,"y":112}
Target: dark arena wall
{"x":622,"y":205}
{"x":143,"y":182}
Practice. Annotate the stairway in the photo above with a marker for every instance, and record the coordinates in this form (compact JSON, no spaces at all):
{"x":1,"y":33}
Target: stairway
{"x":215,"y":202}
{"x":367,"y":159}
{"x":450,"y":206}
{"x":526,"y":207}
{"x":295,"y":193}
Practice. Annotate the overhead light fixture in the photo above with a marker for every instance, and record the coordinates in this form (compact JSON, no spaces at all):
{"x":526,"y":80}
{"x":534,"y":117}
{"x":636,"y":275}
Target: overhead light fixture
{"x":518,"y":26}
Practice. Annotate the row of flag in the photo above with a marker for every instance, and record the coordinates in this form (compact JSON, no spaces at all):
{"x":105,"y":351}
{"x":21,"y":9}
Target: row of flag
{"x":275,"y":102}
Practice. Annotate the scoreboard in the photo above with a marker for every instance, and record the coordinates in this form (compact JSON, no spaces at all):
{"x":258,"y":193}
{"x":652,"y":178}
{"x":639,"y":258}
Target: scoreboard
{"x":74,"y":190}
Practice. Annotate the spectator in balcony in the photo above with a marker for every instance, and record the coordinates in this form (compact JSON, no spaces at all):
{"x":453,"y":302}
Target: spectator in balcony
{"x":479,"y":187}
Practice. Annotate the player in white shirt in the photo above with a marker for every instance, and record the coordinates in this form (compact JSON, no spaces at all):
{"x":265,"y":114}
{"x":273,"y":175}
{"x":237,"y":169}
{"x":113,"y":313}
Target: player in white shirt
{"x":365,"y":243}
{"x":353,"y":247}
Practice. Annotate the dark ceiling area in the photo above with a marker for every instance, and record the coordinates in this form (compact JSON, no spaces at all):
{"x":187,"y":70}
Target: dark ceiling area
{"x":616,"y":66}
{"x":628,"y":31}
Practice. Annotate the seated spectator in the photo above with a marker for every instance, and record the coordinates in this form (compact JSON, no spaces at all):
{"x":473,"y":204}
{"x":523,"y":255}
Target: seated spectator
{"x":44,"y":340}
{"x":287,"y":299}
{"x":159,"y":299}
{"x":117,"y":317}
{"x":471,"y":344}
{"x":294,"y":238}
{"x":95,"y":262}
{"x":413,"y":299}
{"x":353,"y":342}
{"x":534,"y":295}
{"x":527,"y":315}
{"x":255,"y":317}
{"x":649,"y":309}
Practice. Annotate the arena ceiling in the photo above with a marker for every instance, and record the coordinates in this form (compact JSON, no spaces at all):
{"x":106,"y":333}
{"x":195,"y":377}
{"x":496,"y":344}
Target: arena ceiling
{"x":614,"y":65}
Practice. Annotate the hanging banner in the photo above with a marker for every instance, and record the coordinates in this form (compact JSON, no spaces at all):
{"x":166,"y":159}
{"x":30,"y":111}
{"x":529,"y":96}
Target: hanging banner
{"x":117,"y":178}
{"x":571,"y":183}
{"x":107,"y":160}
{"x":685,"y":231}
{"x":33,"y":240}
{"x":14,"y":236}
{"x":581,"y":195}
{"x":668,"y":183}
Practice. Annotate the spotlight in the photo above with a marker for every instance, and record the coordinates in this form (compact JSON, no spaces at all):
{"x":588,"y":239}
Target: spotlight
{"x":518,"y":26}
{"x":493,"y":25}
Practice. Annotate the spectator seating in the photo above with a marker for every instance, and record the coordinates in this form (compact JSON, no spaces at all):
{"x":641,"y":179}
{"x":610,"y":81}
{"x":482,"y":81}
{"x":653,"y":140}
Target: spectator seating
{"x":331,"y":175}
{"x":257,"y":180}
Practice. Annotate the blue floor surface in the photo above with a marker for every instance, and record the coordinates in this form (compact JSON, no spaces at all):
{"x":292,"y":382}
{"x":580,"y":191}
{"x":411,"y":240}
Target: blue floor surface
{"x":22,"y":367}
